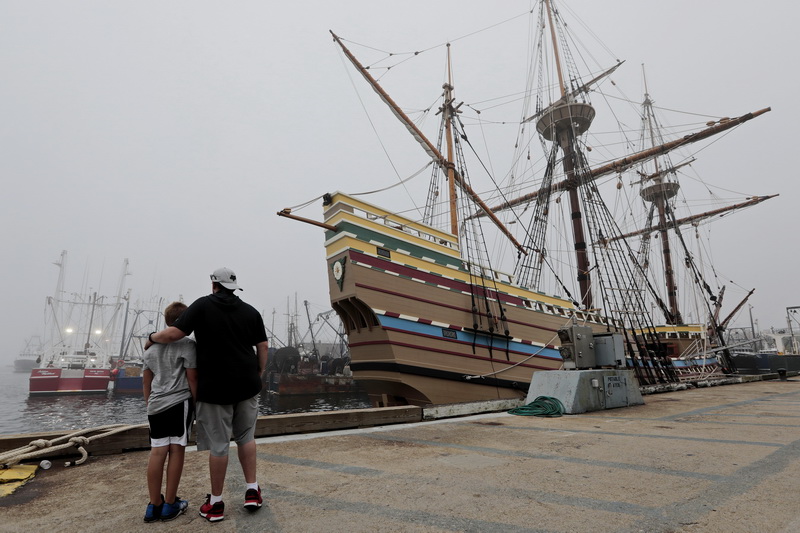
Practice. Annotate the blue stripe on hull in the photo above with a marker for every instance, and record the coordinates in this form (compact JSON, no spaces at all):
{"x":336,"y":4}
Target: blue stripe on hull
{"x":467,"y":337}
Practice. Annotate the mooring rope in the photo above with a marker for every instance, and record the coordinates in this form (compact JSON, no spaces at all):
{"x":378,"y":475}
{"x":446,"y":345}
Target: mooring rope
{"x":78,"y":439}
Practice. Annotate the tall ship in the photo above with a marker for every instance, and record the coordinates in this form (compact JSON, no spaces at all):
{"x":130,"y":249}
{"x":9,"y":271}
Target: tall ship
{"x":82,"y":337}
{"x":467,"y":300}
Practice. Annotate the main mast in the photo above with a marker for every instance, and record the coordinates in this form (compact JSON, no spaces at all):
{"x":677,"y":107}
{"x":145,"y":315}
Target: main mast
{"x":563,"y":123}
{"x":448,"y":110}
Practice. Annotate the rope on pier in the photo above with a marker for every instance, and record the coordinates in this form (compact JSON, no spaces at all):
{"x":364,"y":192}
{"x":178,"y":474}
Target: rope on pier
{"x":78,"y":439}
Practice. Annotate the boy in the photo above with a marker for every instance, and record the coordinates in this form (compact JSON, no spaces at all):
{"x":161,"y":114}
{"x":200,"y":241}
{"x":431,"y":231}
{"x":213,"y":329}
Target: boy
{"x":170,"y":385}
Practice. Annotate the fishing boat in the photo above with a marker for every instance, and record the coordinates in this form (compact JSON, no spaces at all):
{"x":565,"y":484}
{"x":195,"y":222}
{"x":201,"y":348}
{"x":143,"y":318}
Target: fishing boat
{"x":431,"y":313}
{"x":81,"y":340}
{"x":295,"y":369}
{"x":127,"y":371}
{"x":30,"y":355}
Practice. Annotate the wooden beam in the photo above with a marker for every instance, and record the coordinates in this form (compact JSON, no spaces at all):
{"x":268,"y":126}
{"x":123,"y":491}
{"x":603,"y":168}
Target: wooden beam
{"x":138,"y":437}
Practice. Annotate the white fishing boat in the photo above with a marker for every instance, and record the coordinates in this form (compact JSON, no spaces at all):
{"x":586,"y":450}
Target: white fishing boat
{"x":82,"y":338}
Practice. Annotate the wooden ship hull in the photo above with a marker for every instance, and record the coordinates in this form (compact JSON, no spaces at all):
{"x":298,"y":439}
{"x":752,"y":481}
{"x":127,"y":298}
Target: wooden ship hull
{"x":418,"y":327}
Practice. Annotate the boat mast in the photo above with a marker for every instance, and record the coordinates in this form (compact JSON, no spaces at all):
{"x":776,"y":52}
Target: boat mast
{"x":91,"y":319}
{"x":561,"y":83}
{"x":563,"y":123}
{"x":447,"y":109}
{"x":659,"y":194}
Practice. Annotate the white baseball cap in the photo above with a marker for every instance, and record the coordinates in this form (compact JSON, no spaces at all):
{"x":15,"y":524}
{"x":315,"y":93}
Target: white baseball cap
{"x":225,"y":277}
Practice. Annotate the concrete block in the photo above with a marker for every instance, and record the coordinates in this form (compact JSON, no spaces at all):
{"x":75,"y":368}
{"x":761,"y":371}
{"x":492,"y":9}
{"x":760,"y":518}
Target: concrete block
{"x":583,"y":391}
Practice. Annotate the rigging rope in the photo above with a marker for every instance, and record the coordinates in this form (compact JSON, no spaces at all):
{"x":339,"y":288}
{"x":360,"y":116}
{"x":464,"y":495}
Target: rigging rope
{"x":545,"y":345}
{"x":401,"y":182}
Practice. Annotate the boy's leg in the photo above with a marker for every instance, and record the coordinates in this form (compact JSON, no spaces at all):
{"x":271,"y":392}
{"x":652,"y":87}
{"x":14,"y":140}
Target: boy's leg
{"x":183,"y":414}
{"x":155,"y":473}
{"x":174,"y":471}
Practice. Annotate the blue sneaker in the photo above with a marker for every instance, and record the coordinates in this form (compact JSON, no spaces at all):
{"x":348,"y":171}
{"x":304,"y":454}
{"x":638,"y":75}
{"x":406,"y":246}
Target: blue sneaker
{"x":171,"y":511}
{"x":153,"y":512}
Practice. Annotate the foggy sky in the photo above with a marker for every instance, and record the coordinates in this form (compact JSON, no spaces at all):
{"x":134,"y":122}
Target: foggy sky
{"x":170,"y":133}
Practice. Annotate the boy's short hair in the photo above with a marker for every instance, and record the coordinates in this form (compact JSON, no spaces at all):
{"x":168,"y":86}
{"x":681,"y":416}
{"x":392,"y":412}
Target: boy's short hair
{"x":173,"y":311}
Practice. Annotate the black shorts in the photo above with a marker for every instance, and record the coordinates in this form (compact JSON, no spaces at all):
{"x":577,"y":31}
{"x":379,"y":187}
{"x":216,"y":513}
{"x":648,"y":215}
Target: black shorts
{"x":172,"y":425}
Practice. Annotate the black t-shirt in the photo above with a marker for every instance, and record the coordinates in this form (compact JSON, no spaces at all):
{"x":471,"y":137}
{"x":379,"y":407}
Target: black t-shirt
{"x":226,"y":330}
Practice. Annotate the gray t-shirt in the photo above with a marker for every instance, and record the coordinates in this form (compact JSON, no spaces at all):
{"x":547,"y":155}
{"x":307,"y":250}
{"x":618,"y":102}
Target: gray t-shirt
{"x":169,"y":362}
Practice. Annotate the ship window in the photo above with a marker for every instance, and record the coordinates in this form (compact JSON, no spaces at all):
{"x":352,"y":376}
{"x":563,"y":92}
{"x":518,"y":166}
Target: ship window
{"x":383,"y":252}
{"x":448,"y":333}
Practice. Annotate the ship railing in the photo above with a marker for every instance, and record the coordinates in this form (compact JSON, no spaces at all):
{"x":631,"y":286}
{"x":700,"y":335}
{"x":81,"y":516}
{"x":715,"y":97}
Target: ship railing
{"x":358,"y":208}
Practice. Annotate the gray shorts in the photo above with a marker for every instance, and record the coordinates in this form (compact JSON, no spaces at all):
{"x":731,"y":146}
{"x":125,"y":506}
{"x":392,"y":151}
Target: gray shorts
{"x":216,"y":424}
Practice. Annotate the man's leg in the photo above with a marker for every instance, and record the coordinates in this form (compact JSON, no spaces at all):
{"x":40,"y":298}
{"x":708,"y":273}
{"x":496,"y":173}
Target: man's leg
{"x":247,"y":458}
{"x":213,"y":434}
{"x":245,"y":415}
{"x":217,"y":466}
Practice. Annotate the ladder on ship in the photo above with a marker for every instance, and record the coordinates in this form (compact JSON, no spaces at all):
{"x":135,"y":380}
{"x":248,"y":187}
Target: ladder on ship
{"x":622,"y":287}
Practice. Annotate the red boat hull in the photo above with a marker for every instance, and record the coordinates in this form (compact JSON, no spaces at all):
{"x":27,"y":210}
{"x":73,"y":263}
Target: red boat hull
{"x":69,"y":381}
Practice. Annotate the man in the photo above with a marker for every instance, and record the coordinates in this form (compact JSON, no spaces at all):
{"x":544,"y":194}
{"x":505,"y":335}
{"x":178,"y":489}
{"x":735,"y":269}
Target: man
{"x":229,"y":380}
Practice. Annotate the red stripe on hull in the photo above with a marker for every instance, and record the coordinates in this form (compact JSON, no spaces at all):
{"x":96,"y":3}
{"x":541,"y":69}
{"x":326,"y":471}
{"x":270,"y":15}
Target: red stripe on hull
{"x":432,"y":278}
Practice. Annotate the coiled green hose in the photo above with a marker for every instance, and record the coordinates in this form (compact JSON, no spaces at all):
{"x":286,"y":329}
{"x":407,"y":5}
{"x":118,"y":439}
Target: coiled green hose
{"x":541,"y":406}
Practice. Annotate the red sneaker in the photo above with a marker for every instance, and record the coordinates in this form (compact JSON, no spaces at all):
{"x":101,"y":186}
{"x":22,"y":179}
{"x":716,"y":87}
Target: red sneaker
{"x":212,"y":513}
{"x":252,"y":499}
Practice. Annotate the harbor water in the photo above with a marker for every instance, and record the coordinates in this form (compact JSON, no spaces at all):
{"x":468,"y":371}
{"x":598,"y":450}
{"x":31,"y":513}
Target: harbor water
{"x":21,"y":413}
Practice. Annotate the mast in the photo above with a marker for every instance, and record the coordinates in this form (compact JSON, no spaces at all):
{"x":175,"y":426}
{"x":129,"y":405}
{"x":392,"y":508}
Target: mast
{"x":56,"y":299}
{"x":91,"y":319}
{"x":122,"y":349}
{"x":311,"y":329}
{"x":429,"y":148}
{"x":448,"y":110}
{"x":563,"y":123}
{"x":659,"y":194}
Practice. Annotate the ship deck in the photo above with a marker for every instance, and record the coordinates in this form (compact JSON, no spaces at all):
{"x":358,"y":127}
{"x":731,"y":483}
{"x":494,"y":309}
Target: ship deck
{"x":714,"y":459}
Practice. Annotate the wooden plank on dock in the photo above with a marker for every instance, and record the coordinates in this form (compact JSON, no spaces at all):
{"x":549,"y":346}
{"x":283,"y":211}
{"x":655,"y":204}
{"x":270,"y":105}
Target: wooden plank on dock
{"x":270,"y":426}
{"x":138,"y":438}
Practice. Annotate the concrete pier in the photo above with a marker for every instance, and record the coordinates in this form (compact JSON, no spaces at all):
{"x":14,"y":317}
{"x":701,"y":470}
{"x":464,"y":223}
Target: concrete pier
{"x":718,"y":459}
